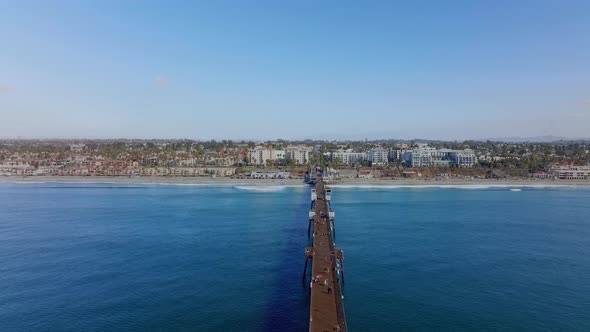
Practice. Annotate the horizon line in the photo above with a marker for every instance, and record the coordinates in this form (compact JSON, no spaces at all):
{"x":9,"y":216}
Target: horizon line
{"x":514,"y":139}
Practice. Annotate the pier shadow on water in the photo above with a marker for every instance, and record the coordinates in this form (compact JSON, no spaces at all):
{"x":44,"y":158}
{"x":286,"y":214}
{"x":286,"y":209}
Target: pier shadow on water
{"x":288,"y":307}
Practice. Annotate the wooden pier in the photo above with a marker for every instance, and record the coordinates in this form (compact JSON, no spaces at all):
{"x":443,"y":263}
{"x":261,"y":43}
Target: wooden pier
{"x":327,"y":271}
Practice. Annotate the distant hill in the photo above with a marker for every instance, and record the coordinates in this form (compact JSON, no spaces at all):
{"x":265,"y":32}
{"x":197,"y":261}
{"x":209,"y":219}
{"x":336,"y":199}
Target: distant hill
{"x":535,"y":139}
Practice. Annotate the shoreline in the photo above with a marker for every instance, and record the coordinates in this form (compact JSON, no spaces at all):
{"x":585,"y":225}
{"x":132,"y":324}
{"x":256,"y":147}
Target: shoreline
{"x":155,"y":180}
{"x":351,"y":182}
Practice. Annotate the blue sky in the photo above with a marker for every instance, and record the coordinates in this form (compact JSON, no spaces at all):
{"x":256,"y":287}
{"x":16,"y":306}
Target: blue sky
{"x":299,"y":69}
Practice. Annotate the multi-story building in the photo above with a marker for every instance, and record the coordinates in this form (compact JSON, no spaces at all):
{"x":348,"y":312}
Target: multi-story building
{"x":278,"y":154}
{"x":463,"y":158}
{"x":570,"y":172}
{"x":348,"y":157}
{"x":424,"y":156}
{"x":299,"y":154}
{"x":395,"y":154}
{"x":260,"y":155}
{"x":17,"y":167}
{"x":187,"y":171}
{"x":377,"y":156}
{"x":268,"y":174}
{"x":417,"y":158}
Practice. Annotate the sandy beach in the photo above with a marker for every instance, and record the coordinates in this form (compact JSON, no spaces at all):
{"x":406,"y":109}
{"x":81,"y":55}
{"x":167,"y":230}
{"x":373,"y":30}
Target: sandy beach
{"x":356,"y":182}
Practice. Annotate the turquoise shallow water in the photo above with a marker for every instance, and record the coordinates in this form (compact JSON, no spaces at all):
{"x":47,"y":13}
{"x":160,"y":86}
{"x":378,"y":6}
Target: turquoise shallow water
{"x":193,"y":258}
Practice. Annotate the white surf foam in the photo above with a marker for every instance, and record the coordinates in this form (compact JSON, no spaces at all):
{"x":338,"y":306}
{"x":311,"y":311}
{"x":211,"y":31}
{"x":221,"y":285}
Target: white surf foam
{"x":264,"y":189}
{"x":267,"y":188}
{"x":450,"y":186}
{"x":182,"y":184}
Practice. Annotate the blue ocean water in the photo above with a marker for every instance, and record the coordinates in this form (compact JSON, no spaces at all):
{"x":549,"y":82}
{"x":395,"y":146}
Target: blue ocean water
{"x":98,"y":257}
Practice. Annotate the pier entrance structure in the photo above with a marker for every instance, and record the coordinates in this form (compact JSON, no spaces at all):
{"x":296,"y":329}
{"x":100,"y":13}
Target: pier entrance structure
{"x":326,"y":312}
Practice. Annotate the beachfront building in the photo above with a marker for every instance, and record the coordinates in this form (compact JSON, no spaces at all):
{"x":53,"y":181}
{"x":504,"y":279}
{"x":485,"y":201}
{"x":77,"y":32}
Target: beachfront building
{"x":187,"y":171}
{"x":269,"y":174}
{"x":299,"y":154}
{"x":571,"y":172}
{"x":425,"y":156}
{"x":348,"y":157}
{"x":463,"y":158}
{"x":417,"y":158}
{"x":377,"y":156}
{"x":261,"y":155}
{"x":17,"y":167}
{"x":395,"y":154}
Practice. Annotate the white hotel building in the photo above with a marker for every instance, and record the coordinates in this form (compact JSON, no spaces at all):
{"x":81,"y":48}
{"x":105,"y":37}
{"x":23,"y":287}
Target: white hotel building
{"x":378,"y":156}
{"x":430,"y":157}
{"x":348,"y":157}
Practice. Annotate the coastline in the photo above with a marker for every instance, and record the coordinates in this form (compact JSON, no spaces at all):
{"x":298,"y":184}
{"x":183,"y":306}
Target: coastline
{"x":218,"y":181}
{"x":348,"y":182}
{"x":461,"y":182}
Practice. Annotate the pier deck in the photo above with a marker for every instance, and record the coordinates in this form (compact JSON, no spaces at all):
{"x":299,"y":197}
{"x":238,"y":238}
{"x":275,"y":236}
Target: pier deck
{"x":326,"y":308}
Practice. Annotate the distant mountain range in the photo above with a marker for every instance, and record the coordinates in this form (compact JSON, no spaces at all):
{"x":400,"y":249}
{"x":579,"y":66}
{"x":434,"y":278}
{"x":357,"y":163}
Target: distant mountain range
{"x":535,"y":139}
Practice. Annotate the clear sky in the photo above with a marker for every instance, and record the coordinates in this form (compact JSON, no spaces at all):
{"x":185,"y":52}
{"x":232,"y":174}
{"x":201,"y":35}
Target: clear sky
{"x":294,"y":69}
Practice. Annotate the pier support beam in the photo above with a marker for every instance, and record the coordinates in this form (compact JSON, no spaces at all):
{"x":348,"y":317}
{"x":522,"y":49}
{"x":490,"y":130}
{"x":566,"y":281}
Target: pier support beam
{"x":304,"y":271}
{"x":308,"y":255}
{"x":340,"y":258}
{"x":333,"y":227}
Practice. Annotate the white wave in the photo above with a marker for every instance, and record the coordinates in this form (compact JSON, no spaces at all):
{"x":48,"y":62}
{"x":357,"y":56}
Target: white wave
{"x":125,"y":184}
{"x":91,"y":182}
{"x":182,"y":184}
{"x":238,"y":185}
{"x":268,"y":188}
{"x":265,"y":189}
{"x":515,"y":189}
{"x":71,"y":182}
{"x":451,"y":186}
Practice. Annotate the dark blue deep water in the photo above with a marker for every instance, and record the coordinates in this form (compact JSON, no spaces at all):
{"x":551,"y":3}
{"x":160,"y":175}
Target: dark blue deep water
{"x":193,"y":258}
